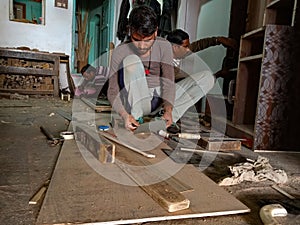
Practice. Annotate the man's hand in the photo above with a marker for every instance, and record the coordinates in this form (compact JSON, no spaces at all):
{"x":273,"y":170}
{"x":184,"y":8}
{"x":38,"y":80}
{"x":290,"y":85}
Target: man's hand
{"x":228,"y":42}
{"x":168,"y":116}
{"x":130,"y":123}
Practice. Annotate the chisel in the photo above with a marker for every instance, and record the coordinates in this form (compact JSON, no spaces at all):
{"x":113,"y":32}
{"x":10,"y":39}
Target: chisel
{"x":179,"y":135}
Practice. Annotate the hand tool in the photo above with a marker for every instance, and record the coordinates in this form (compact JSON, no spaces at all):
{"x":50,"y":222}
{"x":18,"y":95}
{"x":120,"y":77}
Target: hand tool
{"x":179,"y":135}
{"x":51,"y":139}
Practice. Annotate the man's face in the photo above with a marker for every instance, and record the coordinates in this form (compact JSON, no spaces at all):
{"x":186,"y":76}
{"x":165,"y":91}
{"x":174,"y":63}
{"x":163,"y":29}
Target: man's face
{"x":181,"y":51}
{"x":142,"y":43}
{"x":89,"y":75}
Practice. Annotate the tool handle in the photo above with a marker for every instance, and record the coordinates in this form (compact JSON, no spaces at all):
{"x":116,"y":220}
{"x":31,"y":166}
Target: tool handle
{"x":189,"y":136}
{"x":47,"y":133}
{"x":163,"y":134}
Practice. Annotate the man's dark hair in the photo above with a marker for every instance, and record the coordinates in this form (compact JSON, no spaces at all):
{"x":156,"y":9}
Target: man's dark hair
{"x":177,"y":36}
{"x":143,"y":20}
{"x":88,"y":68}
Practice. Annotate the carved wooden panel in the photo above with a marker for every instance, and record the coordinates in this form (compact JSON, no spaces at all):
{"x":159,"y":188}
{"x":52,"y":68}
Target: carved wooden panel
{"x":271,"y":117}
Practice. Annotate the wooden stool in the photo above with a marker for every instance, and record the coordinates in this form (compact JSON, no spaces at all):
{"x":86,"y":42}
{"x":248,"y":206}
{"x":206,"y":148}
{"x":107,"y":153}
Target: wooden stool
{"x":65,"y":97}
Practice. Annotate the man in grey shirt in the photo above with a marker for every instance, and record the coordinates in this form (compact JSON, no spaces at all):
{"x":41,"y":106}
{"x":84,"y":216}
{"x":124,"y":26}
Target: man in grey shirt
{"x":142,"y":75}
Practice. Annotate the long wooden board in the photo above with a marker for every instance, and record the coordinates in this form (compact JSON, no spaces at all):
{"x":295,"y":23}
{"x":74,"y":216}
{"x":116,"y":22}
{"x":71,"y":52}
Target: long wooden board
{"x":93,"y":103}
{"x":154,"y":181}
{"x":81,"y":191}
{"x":128,"y":143}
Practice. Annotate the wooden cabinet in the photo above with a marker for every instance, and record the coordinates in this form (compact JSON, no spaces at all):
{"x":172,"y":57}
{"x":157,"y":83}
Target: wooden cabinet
{"x":29,"y":72}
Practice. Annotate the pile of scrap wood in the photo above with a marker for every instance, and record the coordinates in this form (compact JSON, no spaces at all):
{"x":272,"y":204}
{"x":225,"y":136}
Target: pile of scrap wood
{"x":31,"y":82}
{"x":26,"y":63}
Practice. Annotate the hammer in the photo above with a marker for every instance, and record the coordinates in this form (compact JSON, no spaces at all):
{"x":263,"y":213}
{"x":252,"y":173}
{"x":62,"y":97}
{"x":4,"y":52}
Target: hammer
{"x":52,"y":140}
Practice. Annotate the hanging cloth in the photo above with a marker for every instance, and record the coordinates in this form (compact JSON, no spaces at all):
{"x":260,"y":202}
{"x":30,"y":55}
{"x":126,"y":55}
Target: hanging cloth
{"x":165,"y":25}
{"x":123,"y":20}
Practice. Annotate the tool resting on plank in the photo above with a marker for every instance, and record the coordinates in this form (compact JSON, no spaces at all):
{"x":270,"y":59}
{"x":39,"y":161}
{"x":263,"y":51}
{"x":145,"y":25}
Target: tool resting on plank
{"x":179,"y":135}
{"x":52,"y":140}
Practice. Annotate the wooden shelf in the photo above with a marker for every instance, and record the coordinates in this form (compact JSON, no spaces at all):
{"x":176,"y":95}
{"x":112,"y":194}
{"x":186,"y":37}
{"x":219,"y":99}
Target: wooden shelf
{"x":27,"y":71}
{"x":280,"y":12}
{"x":251,"y":58}
{"x":25,"y":54}
{"x":27,"y":91}
{"x":279,"y":4}
{"x":34,"y":58}
{"x":255,"y":33}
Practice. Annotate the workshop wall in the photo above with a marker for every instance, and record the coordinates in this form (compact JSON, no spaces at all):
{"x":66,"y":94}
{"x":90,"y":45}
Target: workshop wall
{"x":213,"y":20}
{"x":54,"y":36}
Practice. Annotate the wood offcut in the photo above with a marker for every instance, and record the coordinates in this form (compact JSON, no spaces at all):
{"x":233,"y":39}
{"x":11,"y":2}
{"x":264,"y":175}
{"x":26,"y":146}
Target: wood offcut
{"x":100,"y":147}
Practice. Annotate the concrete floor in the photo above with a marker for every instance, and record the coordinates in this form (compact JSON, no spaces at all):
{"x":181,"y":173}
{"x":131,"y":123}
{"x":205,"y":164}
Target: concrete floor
{"x":27,"y":162}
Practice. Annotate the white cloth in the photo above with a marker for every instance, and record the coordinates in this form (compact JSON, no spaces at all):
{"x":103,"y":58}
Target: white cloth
{"x":260,"y":170}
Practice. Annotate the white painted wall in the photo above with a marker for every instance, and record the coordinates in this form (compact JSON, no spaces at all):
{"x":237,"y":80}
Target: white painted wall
{"x":213,"y":20}
{"x":54,"y":36}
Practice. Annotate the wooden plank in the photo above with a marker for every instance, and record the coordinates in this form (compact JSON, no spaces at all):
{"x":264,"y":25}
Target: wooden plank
{"x":219,"y":145}
{"x":25,"y":54}
{"x":82,"y":191}
{"x":154,"y":181}
{"x":162,"y":192}
{"x":27,"y":71}
{"x":251,"y":58}
{"x":130,"y":144}
{"x":98,"y":108}
{"x":64,"y":114}
{"x":25,"y":91}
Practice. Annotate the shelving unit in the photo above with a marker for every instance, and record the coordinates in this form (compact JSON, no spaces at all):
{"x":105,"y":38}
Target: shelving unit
{"x":41,"y":67}
{"x":264,"y":69}
{"x":259,"y":99}
{"x":280,"y":12}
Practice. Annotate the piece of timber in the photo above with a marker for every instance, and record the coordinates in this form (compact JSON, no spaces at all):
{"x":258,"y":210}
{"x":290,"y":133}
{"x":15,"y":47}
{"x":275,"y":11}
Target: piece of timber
{"x":39,"y":194}
{"x":98,"y":108}
{"x":100,"y":147}
{"x":205,"y":151}
{"x":147,"y":177}
{"x":131,"y":146}
{"x":64,"y":114}
{"x":220,"y":145}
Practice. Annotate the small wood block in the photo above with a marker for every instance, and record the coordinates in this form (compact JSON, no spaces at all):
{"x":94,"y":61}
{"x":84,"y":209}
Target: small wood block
{"x":65,"y":97}
{"x":34,"y":200}
{"x":107,"y":151}
{"x":220,"y":145}
{"x":100,"y":147}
